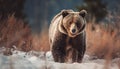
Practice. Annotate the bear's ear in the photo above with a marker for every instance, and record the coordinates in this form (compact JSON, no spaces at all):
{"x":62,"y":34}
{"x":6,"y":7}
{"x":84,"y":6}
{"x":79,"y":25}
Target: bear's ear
{"x":64,"y":13}
{"x":83,"y":13}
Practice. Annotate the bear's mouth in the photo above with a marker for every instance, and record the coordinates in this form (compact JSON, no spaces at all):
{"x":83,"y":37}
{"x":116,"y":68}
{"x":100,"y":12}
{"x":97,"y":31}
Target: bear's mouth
{"x":72,"y":34}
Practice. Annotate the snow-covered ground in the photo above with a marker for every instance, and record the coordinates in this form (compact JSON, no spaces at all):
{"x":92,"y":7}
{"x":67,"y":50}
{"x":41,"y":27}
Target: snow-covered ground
{"x":41,"y":60}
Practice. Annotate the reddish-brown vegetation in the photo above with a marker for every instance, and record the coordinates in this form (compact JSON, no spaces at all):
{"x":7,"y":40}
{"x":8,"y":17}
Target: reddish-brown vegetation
{"x":14,"y":32}
{"x":40,"y":41}
{"x":103,"y":42}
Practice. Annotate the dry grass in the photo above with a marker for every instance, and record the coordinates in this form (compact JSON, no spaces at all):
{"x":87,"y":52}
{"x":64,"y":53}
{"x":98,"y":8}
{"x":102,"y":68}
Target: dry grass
{"x":40,"y":41}
{"x":14,"y":32}
{"x":103,"y":42}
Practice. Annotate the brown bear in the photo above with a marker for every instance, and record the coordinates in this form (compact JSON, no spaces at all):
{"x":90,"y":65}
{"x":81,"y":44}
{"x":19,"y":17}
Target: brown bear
{"x":67,"y":36}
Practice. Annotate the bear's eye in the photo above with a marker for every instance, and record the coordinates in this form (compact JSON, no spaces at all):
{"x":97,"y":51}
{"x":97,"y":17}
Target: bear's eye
{"x":78,"y":24}
{"x":70,"y":22}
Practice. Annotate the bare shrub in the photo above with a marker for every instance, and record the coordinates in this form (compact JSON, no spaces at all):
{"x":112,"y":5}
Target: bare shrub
{"x":14,"y":32}
{"x":103,"y":42}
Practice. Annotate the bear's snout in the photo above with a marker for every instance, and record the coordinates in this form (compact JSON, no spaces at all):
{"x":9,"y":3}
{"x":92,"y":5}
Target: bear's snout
{"x":73,"y":28}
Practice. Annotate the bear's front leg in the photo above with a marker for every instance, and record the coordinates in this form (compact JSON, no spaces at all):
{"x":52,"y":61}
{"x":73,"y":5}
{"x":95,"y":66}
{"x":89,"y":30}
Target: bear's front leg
{"x":79,"y":45}
{"x":58,"y":49}
{"x":82,"y":49}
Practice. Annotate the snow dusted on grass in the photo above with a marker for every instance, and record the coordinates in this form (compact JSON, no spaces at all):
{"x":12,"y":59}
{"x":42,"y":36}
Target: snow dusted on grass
{"x":42,"y":60}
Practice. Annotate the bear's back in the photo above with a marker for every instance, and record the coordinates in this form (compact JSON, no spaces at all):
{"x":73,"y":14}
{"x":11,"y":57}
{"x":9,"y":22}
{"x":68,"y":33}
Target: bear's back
{"x":54,"y":26}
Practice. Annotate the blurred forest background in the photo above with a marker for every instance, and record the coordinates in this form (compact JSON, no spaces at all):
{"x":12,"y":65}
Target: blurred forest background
{"x":24,"y":24}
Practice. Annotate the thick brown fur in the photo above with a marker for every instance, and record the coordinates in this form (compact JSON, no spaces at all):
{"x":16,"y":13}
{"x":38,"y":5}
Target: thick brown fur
{"x":67,"y":45}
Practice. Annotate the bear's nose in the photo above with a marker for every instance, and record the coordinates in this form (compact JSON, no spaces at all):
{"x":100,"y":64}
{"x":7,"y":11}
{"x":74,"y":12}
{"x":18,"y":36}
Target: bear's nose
{"x":73,"y":30}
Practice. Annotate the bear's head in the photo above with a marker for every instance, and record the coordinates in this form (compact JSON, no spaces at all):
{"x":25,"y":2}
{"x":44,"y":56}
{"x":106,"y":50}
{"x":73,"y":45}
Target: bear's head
{"x":72,"y":23}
